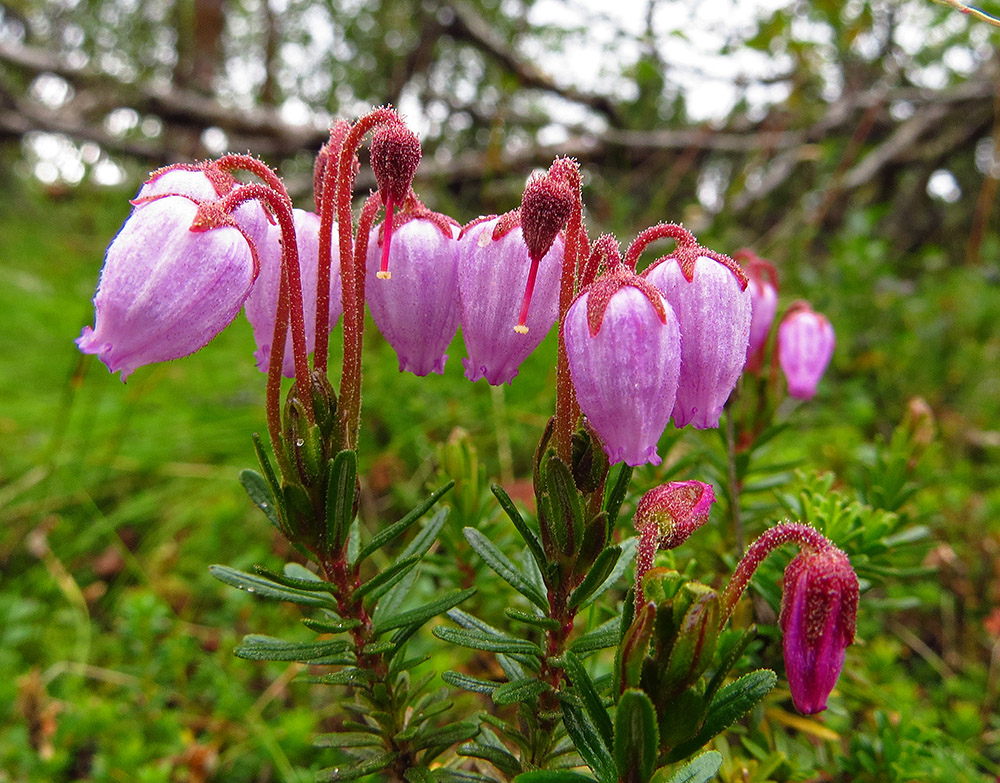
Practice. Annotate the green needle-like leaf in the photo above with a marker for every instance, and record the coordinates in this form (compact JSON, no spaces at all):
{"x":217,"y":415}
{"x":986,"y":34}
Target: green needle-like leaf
{"x":342,"y":476}
{"x":525,"y":689}
{"x":469,"y":683}
{"x":602,"y":568}
{"x":477,"y":640}
{"x":391,"y":533}
{"x":256,"y":647}
{"x":422,"y":614}
{"x":534,"y":545}
{"x":388,"y":577}
{"x":700,"y":769}
{"x":356,"y":769}
{"x":259,"y":585}
{"x":592,"y":703}
{"x":504,"y":568}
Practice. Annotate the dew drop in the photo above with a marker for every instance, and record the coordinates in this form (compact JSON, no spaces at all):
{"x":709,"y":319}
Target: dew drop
{"x":300,"y":442}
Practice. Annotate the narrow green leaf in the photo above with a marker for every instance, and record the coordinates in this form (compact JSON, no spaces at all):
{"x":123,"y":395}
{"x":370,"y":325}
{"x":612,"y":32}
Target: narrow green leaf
{"x":388,"y":534}
{"x":567,"y":505}
{"x":552,"y":776}
{"x":590,"y":698}
{"x":260,"y":494}
{"x":330,"y":626}
{"x":428,"y":533}
{"x":356,"y":769}
{"x":434,"y":736}
{"x":347,"y":739}
{"x":534,"y":620}
{"x":418,"y":775}
{"x":605,"y":635}
{"x":588,"y":742}
{"x":309,"y":585}
{"x":730,"y":704}
{"x":393,"y":600}
{"x":477,"y":640}
{"x":469,"y":683}
{"x":351,"y":676}
{"x":265,"y":588}
{"x":628,"y":547}
{"x":422,"y":614}
{"x":617,"y":495}
{"x":534,"y":545}
{"x":504,"y":568}
{"x":342,"y":476}
{"x":256,"y":647}
{"x":729,"y":660}
{"x":388,"y":577}
{"x":602,"y":568}
{"x":268,"y":471}
{"x":700,"y":769}
{"x":511,"y":665}
{"x":637,"y":737}
{"x":525,"y":689}
{"x":503,"y":760}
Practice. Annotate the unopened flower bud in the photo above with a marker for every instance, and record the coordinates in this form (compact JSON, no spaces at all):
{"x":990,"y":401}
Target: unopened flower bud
{"x":805,"y":345}
{"x":395,"y":154}
{"x":819,"y":605}
{"x":677,"y":508}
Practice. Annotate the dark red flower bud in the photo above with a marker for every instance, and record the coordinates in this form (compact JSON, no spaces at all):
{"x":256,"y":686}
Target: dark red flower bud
{"x":395,"y":154}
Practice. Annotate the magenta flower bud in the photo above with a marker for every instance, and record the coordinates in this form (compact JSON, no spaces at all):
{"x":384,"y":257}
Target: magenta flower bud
{"x":677,"y":508}
{"x":203,"y":185}
{"x":625,"y":371}
{"x":805,"y":345}
{"x":166,"y":291}
{"x":713,"y":311}
{"x":819,"y":605}
{"x":763,"y":288}
{"x":262,"y":304}
{"x":416,"y":310}
{"x":492,"y":275}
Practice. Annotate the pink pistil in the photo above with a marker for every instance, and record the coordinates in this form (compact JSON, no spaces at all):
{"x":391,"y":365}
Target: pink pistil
{"x":383,"y":271}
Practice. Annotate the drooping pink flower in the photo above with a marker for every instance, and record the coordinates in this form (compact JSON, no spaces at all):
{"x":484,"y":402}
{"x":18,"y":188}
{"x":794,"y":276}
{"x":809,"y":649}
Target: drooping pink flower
{"x":165,"y":291}
{"x":805,"y":346}
{"x":763,"y":288}
{"x":819,"y":605}
{"x":492,"y":279}
{"x":262,"y":304}
{"x":416,"y":309}
{"x":206,"y":184}
{"x":625,"y":368}
{"x":713,"y":311}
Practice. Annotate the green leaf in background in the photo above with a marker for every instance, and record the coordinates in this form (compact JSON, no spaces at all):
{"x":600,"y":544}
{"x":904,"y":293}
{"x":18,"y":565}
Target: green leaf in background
{"x":525,"y":689}
{"x":602,"y":568}
{"x":732,"y":702}
{"x":256,"y":647}
{"x":265,"y":588}
{"x":469,"y":683}
{"x":422,"y":614}
{"x":478,"y":640}
{"x":504,"y":568}
{"x":534,"y":545}
{"x":588,"y":742}
{"x":700,"y":769}
{"x":617,"y":495}
{"x":553,"y":776}
{"x":310,"y":584}
{"x":387,"y":578}
{"x":499,"y":757}
{"x":356,"y":769}
{"x":590,"y":698}
{"x":393,"y":531}
{"x":637,"y":737}
{"x":259,"y":492}
{"x":342,"y":476}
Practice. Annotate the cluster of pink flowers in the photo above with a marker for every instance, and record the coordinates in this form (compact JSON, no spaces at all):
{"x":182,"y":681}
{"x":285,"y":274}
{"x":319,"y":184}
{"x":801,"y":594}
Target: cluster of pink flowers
{"x":642,"y":349}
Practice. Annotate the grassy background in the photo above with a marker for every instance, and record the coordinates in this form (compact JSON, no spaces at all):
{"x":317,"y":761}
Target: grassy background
{"x":114,"y":500}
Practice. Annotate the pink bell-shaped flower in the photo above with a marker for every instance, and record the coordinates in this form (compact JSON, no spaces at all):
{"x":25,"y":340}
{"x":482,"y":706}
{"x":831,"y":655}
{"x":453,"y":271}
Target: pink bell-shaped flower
{"x":492,"y":279}
{"x":708,"y":293}
{"x":206,"y":183}
{"x":262,"y":304}
{"x":624,"y":351}
{"x":166,"y":291}
{"x":763,"y":288}
{"x":819,"y":605}
{"x":416,"y":309}
{"x":805,"y":345}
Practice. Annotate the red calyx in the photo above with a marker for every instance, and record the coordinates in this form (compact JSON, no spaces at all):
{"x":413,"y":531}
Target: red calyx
{"x":395,"y":154}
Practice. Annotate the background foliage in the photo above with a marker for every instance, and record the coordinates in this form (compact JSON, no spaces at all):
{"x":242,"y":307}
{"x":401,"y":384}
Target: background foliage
{"x":869,"y":176}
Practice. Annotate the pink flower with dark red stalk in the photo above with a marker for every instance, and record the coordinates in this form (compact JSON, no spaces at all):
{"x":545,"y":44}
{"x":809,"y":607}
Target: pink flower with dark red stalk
{"x":395,"y":155}
{"x":492,"y":277}
{"x":763,"y":288}
{"x":262,"y":304}
{"x":805,"y":346}
{"x":165,"y":290}
{"x":819,"y":604}
{"x":624,"y":351}
{"x":708,"y":293}
{"x":416,"y":310}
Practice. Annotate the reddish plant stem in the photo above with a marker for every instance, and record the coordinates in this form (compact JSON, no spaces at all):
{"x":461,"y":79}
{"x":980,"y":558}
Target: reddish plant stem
{"x":352,"y":283}
{"x":233,"y":162}
{"x":575,"y":255}
{"x":681,"y":235}
{"x":796,"y":532}
{"x":281,"y":206}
